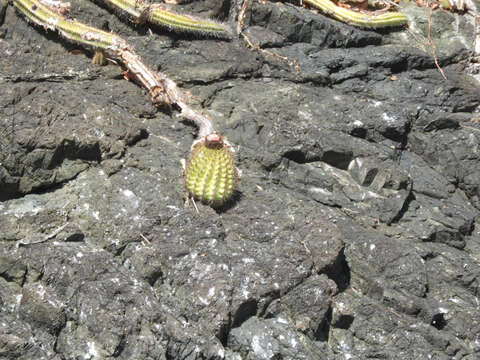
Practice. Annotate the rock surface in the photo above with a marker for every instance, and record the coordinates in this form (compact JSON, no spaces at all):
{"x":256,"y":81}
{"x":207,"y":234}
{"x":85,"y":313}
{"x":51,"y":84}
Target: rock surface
{"x":355,"y":232}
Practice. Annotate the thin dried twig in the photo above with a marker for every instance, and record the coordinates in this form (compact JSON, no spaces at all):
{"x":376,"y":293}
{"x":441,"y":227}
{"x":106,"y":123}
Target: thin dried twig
{"x":429,"y":44}
{"x":432,"y":44}
{"x":256,"y":47}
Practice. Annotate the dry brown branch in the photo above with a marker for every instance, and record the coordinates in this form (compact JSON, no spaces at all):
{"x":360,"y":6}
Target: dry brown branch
{"x":432,"y":44}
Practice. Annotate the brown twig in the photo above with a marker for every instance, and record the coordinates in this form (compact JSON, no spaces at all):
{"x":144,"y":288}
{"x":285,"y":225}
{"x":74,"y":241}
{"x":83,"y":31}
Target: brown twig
{"x":432,"y":45}
{"x":256,"y":47}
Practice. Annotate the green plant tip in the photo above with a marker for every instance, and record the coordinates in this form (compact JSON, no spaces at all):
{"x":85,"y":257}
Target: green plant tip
{"x":211,"y":175}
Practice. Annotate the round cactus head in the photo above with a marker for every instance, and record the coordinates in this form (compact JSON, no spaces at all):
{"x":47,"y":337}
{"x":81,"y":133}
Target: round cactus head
{"x":210,"y":175}
{"x":214,"y":140}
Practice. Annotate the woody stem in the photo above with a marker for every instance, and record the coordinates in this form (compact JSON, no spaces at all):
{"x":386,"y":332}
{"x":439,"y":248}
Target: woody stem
{"x":161,"y":88}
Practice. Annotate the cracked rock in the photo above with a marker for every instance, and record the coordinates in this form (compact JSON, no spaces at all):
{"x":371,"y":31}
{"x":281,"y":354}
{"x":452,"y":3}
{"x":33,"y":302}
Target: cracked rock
{"x":354,"y":233}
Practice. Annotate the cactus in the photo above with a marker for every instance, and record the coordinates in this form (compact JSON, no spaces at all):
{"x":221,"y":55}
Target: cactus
{"x":210,"y":175}
{"x":140,"y":11}
{"x":359,"y":19}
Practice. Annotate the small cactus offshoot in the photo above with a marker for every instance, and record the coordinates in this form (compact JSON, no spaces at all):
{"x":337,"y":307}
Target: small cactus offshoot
{"x":211,"y":175}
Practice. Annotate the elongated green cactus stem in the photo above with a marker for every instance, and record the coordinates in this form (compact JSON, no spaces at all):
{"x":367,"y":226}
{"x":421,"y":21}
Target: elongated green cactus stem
{"x":174,"y":21}
{"x":140,"y":11}
{"x":75,"y":31}
{"x":359,"y":19}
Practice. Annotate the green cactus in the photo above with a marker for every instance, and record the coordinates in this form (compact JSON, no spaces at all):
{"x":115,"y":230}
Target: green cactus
{"x":211,"y":175}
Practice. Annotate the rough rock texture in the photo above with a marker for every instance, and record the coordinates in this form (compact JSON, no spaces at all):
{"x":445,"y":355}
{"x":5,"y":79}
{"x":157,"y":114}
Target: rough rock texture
{"x":355,"y":232}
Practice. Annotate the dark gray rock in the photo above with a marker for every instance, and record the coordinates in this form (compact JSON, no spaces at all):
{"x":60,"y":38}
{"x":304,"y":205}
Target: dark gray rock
{"x":272,"y":339}
{"x":307,"y":306}
{"x":354,"y":234}
{"x":374,"y":325}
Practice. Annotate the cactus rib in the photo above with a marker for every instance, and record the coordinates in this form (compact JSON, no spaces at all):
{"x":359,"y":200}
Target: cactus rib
{"x":355,"y":18}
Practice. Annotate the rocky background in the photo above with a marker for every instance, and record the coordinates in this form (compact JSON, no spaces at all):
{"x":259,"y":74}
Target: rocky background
{"x":355,"y":231}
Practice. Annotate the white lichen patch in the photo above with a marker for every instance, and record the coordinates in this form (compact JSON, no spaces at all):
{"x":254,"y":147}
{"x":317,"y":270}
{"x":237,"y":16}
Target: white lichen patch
{"x":261,"y":348}
{"x":92,"y":352}
{"x":388,"y":118}
{"x":128,"y":193}
{"x":29,"y":205}
{"x":318,"y":190}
